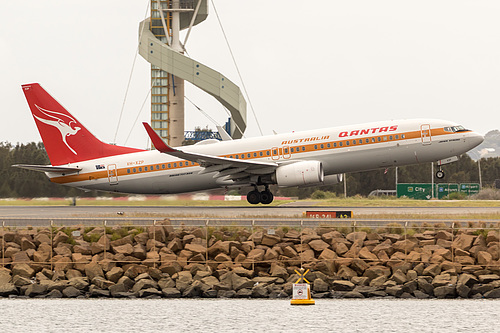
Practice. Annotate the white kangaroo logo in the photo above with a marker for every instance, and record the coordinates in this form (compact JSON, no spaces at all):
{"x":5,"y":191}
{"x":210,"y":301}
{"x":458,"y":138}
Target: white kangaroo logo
{"x":56,"y":119}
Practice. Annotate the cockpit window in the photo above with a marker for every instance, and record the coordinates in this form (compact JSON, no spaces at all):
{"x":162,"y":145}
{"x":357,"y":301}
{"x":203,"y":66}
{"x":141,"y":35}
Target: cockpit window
{"x":455,"y":129}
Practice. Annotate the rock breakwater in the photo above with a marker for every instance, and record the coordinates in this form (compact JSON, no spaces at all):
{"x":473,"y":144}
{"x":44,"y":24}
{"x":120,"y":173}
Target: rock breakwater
{"x":163,"y":261}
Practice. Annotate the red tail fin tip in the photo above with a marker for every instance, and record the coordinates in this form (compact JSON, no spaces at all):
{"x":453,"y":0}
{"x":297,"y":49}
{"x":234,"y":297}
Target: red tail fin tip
{"x":66,"y":140}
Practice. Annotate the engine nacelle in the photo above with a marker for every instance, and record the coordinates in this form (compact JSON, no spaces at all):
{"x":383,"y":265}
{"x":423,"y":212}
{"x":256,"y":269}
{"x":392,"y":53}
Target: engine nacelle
{"x":300,"y":174}
{"x":328,"y":180}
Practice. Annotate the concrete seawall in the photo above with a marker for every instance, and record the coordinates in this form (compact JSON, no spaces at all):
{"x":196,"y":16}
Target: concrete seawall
{"x":163,"y":261}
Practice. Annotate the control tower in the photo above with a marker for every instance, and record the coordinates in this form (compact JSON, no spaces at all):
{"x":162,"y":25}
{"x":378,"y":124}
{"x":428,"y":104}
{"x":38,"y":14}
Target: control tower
{"x":160,"y":45}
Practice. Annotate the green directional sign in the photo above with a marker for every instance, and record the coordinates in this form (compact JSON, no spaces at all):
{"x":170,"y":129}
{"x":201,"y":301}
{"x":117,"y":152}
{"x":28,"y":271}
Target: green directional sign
{"x":423,"y":191}
{"x":415,"y":191}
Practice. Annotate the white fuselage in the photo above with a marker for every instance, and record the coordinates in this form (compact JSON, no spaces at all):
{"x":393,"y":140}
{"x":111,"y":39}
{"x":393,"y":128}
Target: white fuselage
{"x":339,"y":149}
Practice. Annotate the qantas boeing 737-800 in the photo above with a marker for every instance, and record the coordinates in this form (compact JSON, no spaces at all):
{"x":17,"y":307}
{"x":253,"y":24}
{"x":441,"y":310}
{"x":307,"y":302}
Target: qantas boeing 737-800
{"x":317,"y":157}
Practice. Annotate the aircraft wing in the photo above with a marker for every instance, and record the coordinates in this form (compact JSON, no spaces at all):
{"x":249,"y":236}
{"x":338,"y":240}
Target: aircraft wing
{"x":225,"y":167}
{"x":47,"y":168}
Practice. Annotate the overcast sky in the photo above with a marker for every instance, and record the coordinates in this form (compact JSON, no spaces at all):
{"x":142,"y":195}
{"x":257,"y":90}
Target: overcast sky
{"x":305,"y":64}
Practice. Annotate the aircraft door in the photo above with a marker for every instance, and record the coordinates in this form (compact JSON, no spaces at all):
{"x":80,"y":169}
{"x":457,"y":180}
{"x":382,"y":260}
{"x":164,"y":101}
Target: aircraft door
{"x":112,"y":174}
{"x":425,"y":134}
{"x":275,"y":154}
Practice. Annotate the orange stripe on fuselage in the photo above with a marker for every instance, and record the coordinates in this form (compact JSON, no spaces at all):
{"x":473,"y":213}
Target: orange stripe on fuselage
{"x":297,"y":148}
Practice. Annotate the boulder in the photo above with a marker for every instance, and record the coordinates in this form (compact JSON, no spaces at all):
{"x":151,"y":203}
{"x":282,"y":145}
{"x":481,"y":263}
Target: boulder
{"x":444,"y":291}
{"x":432,"y":270}
{"x":93,"y":270}
{"x":463,"y":242}
{"x":23,"y":270}
{"x":376,"y":271}
{"x":341,"y":285}
{"x":150,"y":292}
{"x":144,"y":284}
{"x":101,"y":282}
{"x":240,"y":282}
{"x":8,"y":289}
{"x":484,"y":258}
{"x":196,"y":248}
{"x":320,"y":286}
{"x":80,"y":283}
{"x":54,"y":294}
{"x":259,"y":291}
{"x":35,"y":290}
{"x":270,"y":240}
{"x":399,"y":277}
{"x":170,"y":283}
{"x":96,"y":292}
{"x":171,"y":293}
{"x":495,"y":293}
{"x":60,"y":237}
{"x":441,"y":280}
{"x":256,"y":255}
{"x":318,"y":245}
{"x":405,"y":246}
{"x":5,"y":276}
{"x":356,"y":236}
{"x":126,"y":249}
{"x":365,"y":253}
{"x":114,"y":274}
{"x":71,"y":292}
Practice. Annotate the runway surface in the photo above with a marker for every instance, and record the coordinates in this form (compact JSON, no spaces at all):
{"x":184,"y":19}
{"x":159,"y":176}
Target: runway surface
{"x":286,"y":211}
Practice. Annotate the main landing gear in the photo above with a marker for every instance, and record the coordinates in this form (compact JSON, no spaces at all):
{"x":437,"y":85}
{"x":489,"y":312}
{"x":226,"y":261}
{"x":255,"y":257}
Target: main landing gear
{"x":265,"y":197}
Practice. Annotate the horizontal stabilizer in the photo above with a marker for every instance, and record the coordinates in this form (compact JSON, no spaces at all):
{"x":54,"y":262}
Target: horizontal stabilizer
{"x":47,"y":168}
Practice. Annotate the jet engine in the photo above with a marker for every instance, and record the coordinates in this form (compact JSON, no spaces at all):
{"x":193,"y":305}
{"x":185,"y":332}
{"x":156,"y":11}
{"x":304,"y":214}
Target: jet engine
{"x":302,"y":173}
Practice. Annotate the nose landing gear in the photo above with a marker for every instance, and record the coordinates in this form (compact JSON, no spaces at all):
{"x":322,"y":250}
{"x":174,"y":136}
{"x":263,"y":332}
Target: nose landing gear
{"x":440,"y":174}
{"x":265,"y":197}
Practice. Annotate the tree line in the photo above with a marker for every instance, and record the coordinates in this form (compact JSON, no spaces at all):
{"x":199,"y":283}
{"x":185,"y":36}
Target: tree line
{"x":19,"y":183}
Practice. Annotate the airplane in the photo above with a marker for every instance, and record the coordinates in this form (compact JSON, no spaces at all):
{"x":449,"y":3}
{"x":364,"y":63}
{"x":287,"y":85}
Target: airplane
{"x":307,"y":158}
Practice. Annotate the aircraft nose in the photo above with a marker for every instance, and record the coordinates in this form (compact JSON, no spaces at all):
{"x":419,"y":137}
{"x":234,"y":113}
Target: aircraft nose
{"x":476,"y":139}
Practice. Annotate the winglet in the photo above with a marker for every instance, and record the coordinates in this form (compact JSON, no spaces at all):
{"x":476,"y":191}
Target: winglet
{"x":157,"y":141}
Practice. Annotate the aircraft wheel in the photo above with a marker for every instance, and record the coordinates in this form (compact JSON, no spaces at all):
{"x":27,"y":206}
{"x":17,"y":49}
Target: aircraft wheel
{"x":266,"y":197}
{"x":253,"y":197}
{"x":440,"y":174}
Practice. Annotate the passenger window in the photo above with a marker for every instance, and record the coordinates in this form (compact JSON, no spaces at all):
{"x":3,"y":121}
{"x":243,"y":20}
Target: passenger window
{"x":175,"y":165}
{"x":390,"y":137}
{"x":260,"y":153}
{"x":134,"y":170}
{"x":322,"y":146}
{"x":128,"y":170}
{"x":267,"y":152}
{"x":402,"y":136}
{"x":169,"y":165}
{"x":340,"y":144}
{"x":303,"y":148}
{"x":335,"y":144}
{"x":347,"y":143}
{"x":163,"y":166}
{"x":328,"y":145}
{"x":140,"y":169}
{"x":315,"y":147}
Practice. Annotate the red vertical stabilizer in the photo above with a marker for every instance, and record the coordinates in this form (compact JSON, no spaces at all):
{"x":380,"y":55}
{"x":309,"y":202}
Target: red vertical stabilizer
{"x":66,"y":140}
